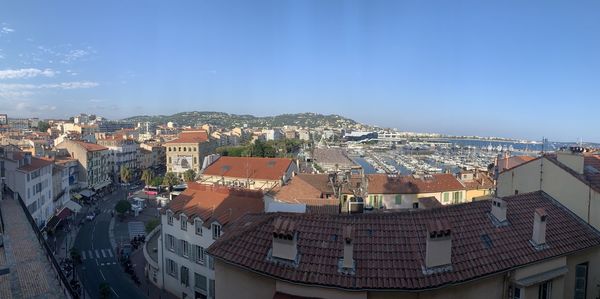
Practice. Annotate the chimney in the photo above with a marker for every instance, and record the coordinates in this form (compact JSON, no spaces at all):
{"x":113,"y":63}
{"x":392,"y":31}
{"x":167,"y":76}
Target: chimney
{"x":499,"y":209}
{"x":572,"y":158}
{"x":439,"y":243}
{"x":285,"y":239}
{"x":539,"y":227}
{"x":348,"y":259}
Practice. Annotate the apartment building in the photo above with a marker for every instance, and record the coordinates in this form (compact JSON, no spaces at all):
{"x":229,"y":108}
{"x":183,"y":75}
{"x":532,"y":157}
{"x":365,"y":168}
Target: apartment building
{"x":94,"y":168}
{"x":190,"y":223}
{"x":30,"y":178}
{"x":572,"y":176}
{"x":249,"y":172}
{"x":188,"y":151}
{"x":523,"y":246}
{"x":158,"y":159}
{"x":391,"y":191}
{"x":123,"y":152}
{"x":478,"y":184}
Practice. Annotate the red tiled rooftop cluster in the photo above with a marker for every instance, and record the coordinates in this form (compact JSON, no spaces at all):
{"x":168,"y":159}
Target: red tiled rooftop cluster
{"x":389,"y":248}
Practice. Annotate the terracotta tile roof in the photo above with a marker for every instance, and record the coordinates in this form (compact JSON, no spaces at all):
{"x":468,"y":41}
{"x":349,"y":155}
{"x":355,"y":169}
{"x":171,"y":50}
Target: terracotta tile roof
{"x":389,"y":248}
{"x":482,"y":181}
{"x":90,"y":147}
{"x":512,"y":162}
{"x":303,"y":186}
{"x":410,"y":184}
{"x":249,"y":167}
{"x":215,"y":203}
{"x":36,"y":163}
{"x":195,"y":136}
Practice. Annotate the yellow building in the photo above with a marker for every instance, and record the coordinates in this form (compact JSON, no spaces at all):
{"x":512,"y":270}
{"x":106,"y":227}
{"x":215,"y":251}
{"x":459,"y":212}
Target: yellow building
{"x":188,"y":151}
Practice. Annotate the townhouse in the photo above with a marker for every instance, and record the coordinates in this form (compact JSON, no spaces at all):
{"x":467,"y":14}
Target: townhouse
{"x":571,"y":176}
{"x":94,"y":168}
{"x":249,"y":172}
{"x":521,"y":246}
{"x":188,"y":151}
{"x":175,"y":251}
{"x":123,"y":152}
{"x":29,"y":178}
{"x":391,"y":191}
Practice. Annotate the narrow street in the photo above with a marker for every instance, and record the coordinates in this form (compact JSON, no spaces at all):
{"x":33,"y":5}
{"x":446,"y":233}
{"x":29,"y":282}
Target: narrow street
{"x":100,"y":259}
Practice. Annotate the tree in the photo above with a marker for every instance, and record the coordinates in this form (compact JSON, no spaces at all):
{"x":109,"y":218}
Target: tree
{"x":104,"y":290}
{"x":125,"y":174}
{"x":157,"y":181}
{"x":147,"y":177}
{"x":43,"y":126}
{"x":150,"y":225}
{"x":122,"y":206}
{"x":170,"y":179}
{"x":189,"y":175}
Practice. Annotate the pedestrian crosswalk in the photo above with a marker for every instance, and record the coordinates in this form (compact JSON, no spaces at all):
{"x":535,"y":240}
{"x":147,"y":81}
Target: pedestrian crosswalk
{"x":89,"y":254}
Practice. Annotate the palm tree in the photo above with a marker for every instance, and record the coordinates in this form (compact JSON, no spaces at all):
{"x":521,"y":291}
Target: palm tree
{"x":125,"y":174}
{"x":189,"y":175}
{"x":170,"y":179}
{"x":147,"y":177}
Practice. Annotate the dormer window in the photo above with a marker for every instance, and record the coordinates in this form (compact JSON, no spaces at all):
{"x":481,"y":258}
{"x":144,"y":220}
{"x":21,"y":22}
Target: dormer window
{"x":169,"y":217}
{"x":216,"y":230}
{"x":198,"y":227}
{"x":183,"y":221}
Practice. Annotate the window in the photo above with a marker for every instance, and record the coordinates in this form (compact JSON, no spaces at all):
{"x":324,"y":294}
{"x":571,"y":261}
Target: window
{"x":185,"y":276}
{"x":216,"y":231}
{"x":200,"y":281}
{"x":183,"y":221}
{"x":169,"y":160}
{"x":515,"y":293}
{"x":170,"y":217}
{"x":185,"y":248}
{"x":195,"y":160}
{"x":581,"y":274}
{"x":457,"y":197}
{"x":184,"y":149}
{"x":171,"y":242}
{"x":172,"y":268}
{"x":415,"y":205}
{"x":398,"y":199}
{"x":199,"y":254}
{"x":198,"y":227}
{"x":545,"y":290}
{"x":446,"y":197}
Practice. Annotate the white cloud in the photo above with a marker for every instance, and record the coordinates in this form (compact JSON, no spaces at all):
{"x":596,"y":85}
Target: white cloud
{"x":6,"y":29}
{"x":74,"y":55}
{"x":18,"y":90}
{"x":26,"y":73}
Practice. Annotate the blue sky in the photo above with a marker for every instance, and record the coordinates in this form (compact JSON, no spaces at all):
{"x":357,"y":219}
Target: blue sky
{"x":522,"y":69}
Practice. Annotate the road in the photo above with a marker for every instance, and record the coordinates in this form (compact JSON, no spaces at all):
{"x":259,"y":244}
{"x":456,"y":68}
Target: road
{"x":100,"y":261}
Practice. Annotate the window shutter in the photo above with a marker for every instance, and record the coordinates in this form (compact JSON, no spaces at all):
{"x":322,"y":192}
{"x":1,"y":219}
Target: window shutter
{"x":192,"y":252}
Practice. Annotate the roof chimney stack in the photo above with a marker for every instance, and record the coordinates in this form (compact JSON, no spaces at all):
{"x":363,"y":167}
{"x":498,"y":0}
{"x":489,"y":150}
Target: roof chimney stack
{"x":539,"y":227}
{"x":499,"y":209}
{"x":348,"y":259}
{"x":572,"y":158}
{"x":285,"y":239}
{"x":439,"y":244}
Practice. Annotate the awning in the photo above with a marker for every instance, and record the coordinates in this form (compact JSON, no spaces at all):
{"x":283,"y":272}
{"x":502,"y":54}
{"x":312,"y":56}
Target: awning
{"x":52,"y":223}
{"x":541,"y":277}
{"x":102,"y":185}
{"x":73,"y":206}
{"x":87,"y":193}
{"x":77,"y":196}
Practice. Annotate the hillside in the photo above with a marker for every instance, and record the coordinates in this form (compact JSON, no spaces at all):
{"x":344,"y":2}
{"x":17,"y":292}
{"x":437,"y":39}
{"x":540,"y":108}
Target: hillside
{"x":221,"y":119}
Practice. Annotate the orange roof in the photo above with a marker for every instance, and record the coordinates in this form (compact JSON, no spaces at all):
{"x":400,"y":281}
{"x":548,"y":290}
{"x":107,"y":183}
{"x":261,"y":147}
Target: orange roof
{"x":36,"y":163}
{"x":511,"y":162}
{"x":250,"y":167}
{"x":410,"y":184}
{"x":298,"y":189}
{"x":215,"y":203}
{"x":196,"y":136}
{"x":90,"y":147}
